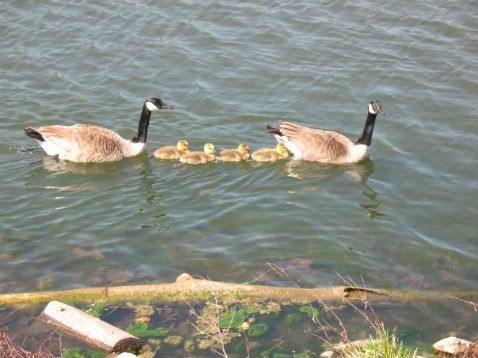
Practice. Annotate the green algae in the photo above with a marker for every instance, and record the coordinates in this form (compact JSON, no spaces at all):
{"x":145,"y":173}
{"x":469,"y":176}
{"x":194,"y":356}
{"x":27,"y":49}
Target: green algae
{"x":309,"y":310}
{"x":142,"y":330}
{"x":292,"y":319}
{"x":174,"y":340}
{"x":258,"y":329}
{"x":232,"y":319}
{"x":96,"y":309}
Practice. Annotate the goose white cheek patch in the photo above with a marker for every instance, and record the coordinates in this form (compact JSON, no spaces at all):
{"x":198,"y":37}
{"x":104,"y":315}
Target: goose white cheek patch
{"x":151,"y":107}
{"x":370,"y":109}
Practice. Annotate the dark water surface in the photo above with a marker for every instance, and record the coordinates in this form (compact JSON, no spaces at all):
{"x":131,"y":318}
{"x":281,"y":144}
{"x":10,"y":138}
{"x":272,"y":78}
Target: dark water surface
{"x":406,"y":218}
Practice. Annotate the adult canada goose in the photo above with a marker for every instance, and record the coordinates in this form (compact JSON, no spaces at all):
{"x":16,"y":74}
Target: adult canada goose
{"x":271,"y":154}
{"x":199,"y":157}
{"x":326,"y":146}
{"x":85,"y":143}
{"x":172,"y":152}
{"x":235,"y":155}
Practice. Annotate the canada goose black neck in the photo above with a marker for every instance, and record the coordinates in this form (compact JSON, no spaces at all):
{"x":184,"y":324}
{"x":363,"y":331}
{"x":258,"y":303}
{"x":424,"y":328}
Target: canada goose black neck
{"x":143,"y":125}
{"x":366,"y":137}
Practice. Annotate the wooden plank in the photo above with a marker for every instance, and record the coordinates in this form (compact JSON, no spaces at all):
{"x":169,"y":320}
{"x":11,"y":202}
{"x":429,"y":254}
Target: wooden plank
{"x":89,"y":329}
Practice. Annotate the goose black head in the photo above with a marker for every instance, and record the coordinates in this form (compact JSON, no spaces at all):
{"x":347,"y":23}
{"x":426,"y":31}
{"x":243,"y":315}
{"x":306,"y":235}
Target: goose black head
{"x":374,"y":107}
{"x":156,"y":103}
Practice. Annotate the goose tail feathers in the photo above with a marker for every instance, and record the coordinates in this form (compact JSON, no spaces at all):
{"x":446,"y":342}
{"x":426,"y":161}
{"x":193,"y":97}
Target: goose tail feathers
{"x":33,"y":133}
{"x":274,"y":130}
{"x":278,"y":135}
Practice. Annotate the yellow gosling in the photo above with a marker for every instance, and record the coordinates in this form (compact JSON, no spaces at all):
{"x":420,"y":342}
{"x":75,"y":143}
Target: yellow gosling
{"x":172,"y":153}
{"x":271,"y":154}
{"x":235,"y":155}
{"x":199,"y":157}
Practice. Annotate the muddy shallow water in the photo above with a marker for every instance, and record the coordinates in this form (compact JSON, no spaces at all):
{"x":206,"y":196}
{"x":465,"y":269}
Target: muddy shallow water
{"x":263,"y":330}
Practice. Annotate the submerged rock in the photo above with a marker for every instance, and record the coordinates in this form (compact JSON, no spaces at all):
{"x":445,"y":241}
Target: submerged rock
{"x":151,"y":349}
{"x":189,"y":346}
{"x":144,"y":319}
{"x":270,"y":307}
{"x":205,"y":343}
{"x":173,"y":340}
{"x":141,"y":311}
{"x":126,"y":355}
{"x":453,"y":345}
{"x":245,"y":326}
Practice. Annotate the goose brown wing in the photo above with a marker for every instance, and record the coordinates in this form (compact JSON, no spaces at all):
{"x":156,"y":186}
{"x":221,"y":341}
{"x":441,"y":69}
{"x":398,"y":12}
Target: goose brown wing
{"x":85,"y":142}
{"x":316,"y":144}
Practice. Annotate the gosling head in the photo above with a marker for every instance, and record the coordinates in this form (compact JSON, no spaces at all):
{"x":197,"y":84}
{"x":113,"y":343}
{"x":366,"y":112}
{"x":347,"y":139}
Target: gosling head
{"x":374,"y":107}
{"x":209,"y":148}
{"x":182,"y":145}
{"x":282,"y":150}
{"x":156,"y":103}
{"x":243,"y":149}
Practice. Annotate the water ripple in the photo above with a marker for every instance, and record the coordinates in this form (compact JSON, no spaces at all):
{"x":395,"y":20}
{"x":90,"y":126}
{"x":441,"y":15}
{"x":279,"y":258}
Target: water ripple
{"x":229,"y":69}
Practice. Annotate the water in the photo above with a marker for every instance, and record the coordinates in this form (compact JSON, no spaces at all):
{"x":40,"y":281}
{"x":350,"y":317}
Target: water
{"x":193,"y":323}
{"x":406,"y":218}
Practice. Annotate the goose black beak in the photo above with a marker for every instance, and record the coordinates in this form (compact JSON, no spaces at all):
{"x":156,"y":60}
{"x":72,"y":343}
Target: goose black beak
{"x":166,"y":106}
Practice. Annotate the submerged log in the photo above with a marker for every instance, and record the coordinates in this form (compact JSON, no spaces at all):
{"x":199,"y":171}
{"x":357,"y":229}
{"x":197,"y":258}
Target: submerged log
{"x":89,"y":329}
{"x":187,"y":288}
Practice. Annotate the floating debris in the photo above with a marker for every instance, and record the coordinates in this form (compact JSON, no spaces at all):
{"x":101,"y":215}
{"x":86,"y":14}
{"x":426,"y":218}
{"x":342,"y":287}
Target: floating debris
{"x":89,"y":329}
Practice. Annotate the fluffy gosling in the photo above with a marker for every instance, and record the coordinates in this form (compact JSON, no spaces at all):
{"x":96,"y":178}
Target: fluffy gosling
{"x":271,"y":154}
{"x":199,"y":157}
{"x":172,"y":153}
{"x":235,"y":155}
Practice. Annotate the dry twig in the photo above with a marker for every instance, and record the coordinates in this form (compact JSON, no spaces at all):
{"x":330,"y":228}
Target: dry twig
{"x":10,"y":350}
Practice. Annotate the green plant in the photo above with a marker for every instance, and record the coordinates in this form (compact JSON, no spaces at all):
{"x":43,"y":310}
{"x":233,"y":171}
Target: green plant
{"x":385,"y":344}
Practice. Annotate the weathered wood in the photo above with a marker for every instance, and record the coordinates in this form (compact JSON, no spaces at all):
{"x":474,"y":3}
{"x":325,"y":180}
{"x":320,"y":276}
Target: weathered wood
{"x":90,"y":329}
{"x":187,"y":288}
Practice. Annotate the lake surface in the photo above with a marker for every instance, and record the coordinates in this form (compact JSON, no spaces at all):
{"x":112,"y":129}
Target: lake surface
{"x":405,"y":218}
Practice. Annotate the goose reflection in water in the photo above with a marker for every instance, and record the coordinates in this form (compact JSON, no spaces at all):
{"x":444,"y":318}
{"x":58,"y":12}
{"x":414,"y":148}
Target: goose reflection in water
{"x":109,"y":177}
{"x":60,"y":180}
{"x":359,"y":172}
{"x":53,"y":164}
{"x":308,"y":170}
